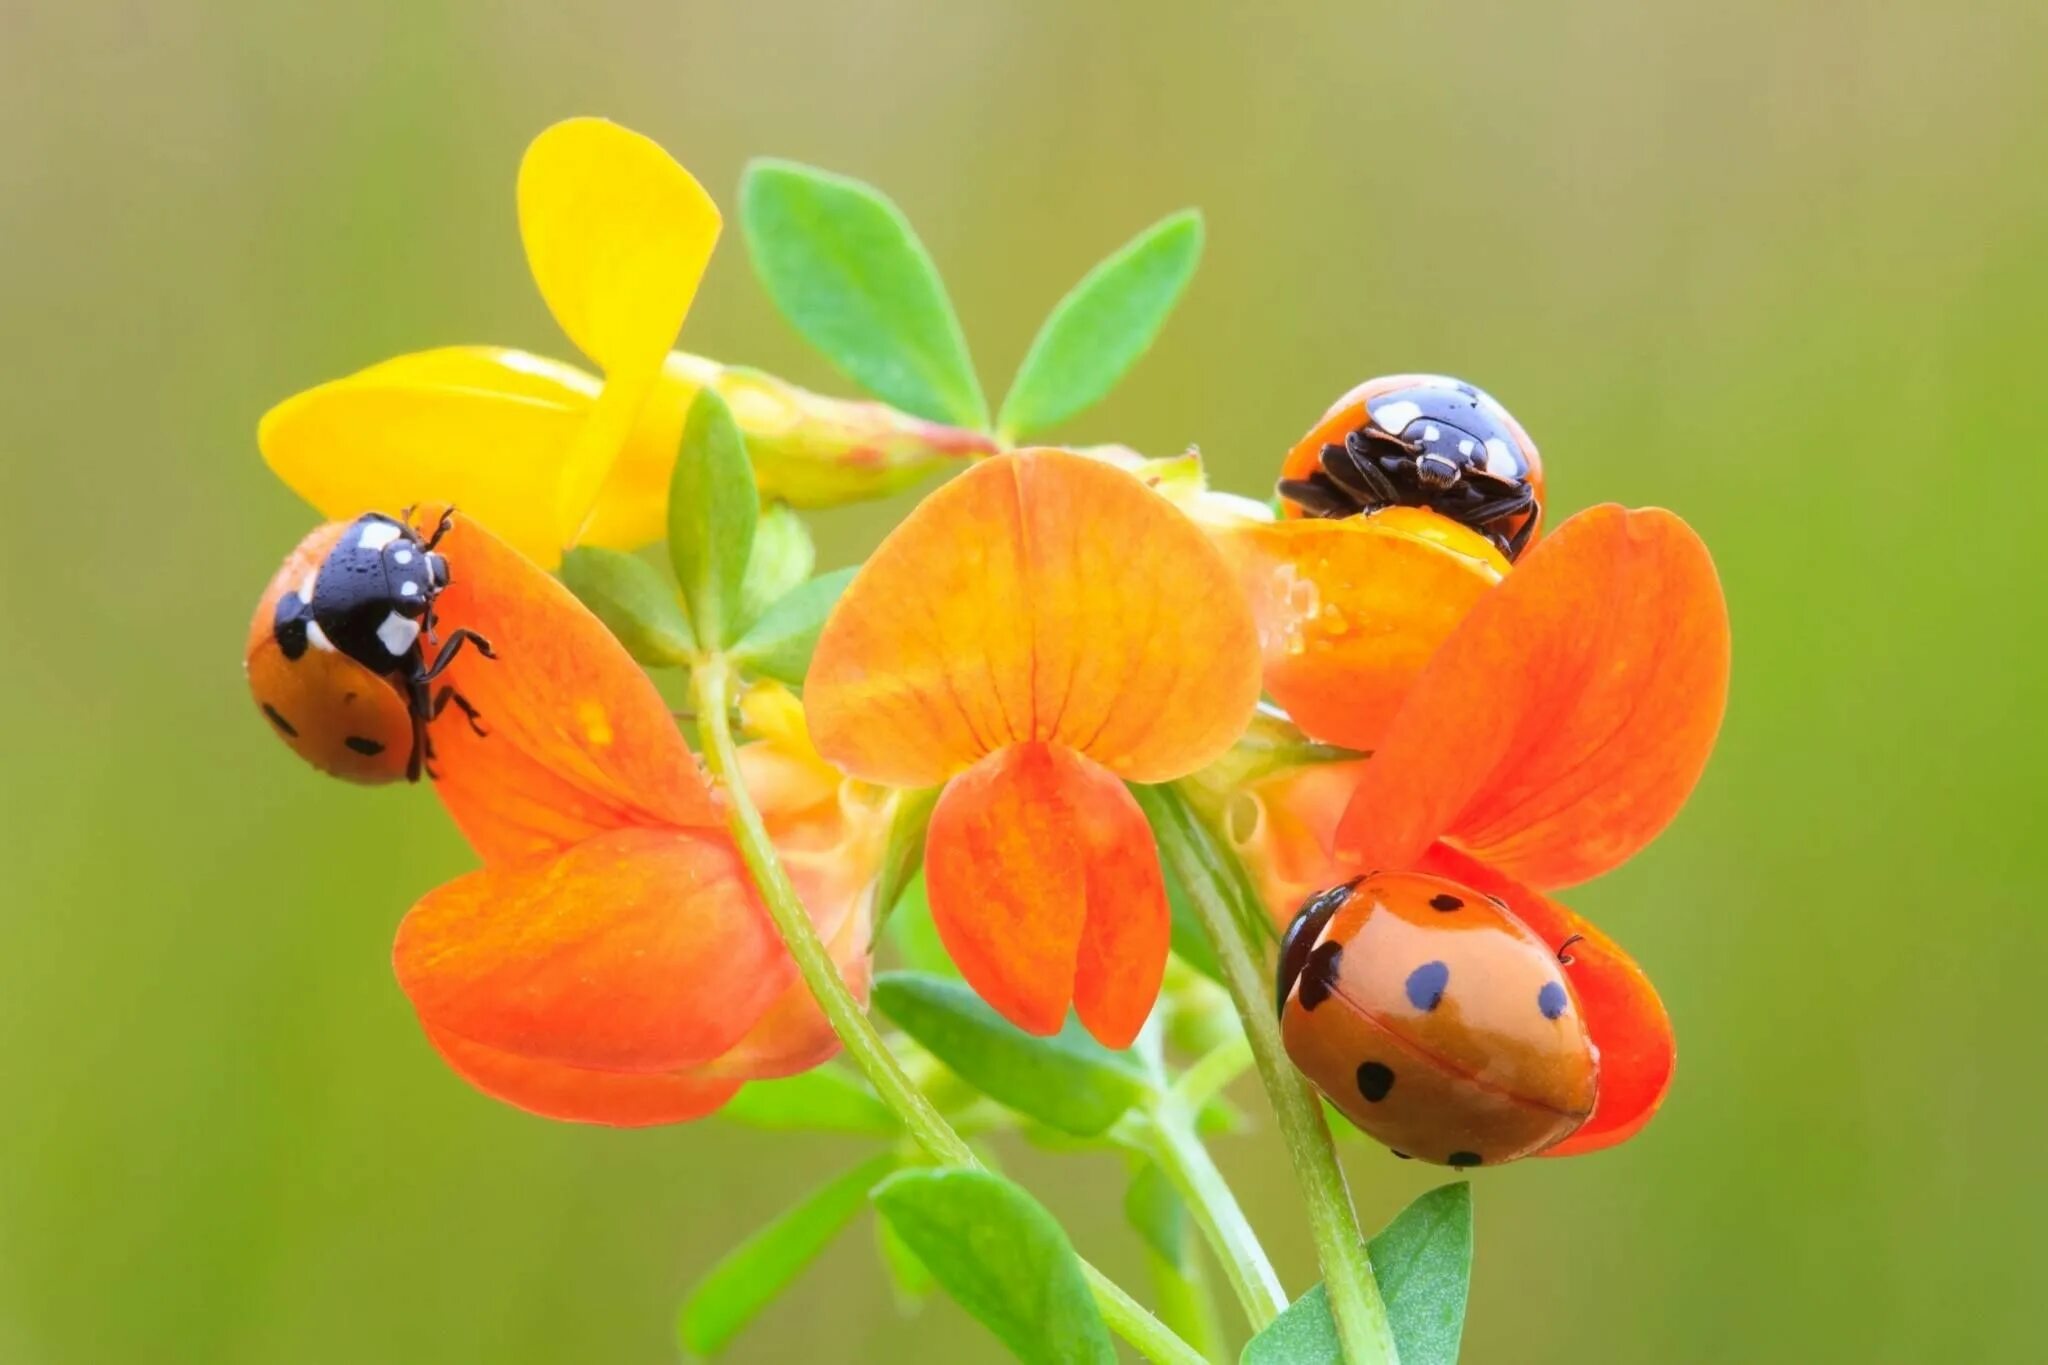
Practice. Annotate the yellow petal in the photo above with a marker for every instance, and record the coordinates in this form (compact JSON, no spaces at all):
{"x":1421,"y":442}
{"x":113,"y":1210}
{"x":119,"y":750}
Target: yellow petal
{"x":389,"y":442}
{"x":497,"y":368}
{"x":617,"y":235}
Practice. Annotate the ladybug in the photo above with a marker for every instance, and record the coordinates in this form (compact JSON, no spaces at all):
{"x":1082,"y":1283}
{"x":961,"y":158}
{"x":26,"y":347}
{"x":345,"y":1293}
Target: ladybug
{"x":1420,"y":440}
{"x":336,"y":654}
{"x":1435,"y":1020}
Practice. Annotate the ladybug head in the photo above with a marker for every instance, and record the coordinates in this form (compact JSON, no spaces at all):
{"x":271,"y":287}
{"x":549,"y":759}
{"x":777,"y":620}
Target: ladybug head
{"x":1301,"y":936}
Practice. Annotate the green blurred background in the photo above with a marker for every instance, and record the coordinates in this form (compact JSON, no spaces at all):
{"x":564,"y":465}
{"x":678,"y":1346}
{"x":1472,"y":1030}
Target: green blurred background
{"x":1777,"y":265}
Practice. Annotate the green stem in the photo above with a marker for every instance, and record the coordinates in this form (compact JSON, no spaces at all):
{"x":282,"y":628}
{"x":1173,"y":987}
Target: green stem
{"x":1225,"y":900}
{"x":711,"y":687}
{"x":1181,"y":1291}
{"x":1187,"y":1166}
{"x":1213,"y":1070}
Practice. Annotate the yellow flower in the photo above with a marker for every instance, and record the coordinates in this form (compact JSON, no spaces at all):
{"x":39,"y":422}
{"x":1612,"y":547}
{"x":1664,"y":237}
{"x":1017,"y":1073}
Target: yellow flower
{"x":548,"y":456}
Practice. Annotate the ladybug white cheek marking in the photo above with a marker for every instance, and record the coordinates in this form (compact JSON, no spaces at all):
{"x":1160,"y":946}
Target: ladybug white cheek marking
{"x":401,"y":556}
{"x":408,"y":589}
{"x":1394,"y":418}
{"x":317,"y":637}
{"x":376,"y":535}
{"x":398,"y":632}
{"x":1500,"y":461}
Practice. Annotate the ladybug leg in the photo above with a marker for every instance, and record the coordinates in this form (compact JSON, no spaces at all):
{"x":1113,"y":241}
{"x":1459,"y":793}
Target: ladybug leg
{"x":1317,"y":496}
{"x":1352,"y":468}
{"x":449,"y":694}
{"x":456,"y":640}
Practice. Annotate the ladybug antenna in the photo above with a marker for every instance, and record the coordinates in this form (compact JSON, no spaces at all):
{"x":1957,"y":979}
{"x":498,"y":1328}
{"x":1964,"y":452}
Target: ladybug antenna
{"x":1564,"y":957}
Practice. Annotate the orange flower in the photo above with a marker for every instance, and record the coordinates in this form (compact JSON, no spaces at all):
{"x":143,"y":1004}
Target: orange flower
{"x":610,"y":962}
{"x":1349,"y":611}
{"x":1557,"y":730}
{"x":1036,"y":633}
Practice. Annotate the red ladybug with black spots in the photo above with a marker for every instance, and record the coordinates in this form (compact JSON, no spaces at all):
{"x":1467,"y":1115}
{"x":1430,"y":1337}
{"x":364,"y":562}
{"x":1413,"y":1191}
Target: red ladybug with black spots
{"x":1435,"y":1020}
{"x":1420,"y":440}
{"x":336,"y":653}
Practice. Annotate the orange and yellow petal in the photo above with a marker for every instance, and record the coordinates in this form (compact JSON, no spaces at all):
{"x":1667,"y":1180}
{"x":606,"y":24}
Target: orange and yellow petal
{"x":1046,"y":891}
{"x":1624,"y":1016}
{"x":1041,"y":596}
{"x":617,"y":235}
{"x":398,"y":435}
{"x":1566,"y":720}
{"x":1349,"y":611}
{"x":637,"y":950}
{"x":1285,"y":827}
{"x":575,"y":739}
{"x":620,"y":1099}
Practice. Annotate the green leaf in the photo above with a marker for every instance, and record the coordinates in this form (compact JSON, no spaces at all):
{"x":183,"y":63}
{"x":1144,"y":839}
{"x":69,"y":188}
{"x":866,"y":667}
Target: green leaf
{"x":1068,"y":1082}
{"x":634,"y":601}
{"x":712,"y":511}
{"x":1098,"y":331}
{"x":908,"y":1277}
{"x":1155,"y":1209}
{"x":915,"y":936}
{"x":1003,"y":1258}
{"x":1423,"y":1262}
{"x":903,"y":859}
{"x":760,"y":1268}
{"x":842,"y":264}
{"x":825,"y":1099}
{"x":782,"y":559}
{"x":1190,"y":942}
{"x":781,"y":643}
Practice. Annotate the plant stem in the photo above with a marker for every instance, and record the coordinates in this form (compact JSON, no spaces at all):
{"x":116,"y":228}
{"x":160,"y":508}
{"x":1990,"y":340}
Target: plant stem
{"x":1187,"y":1166}
{"x":711,"y":687}
{"x":1182,"y":1292}
{"x":1224,"y":899}
{"x":1213,"y":1070}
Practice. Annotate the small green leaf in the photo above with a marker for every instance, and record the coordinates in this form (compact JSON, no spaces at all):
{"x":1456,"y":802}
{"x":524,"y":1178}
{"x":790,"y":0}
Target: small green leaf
{"x":1423,"y":1262}
{"x":712,"y":511}
{"x":842,"y":264}
{"x":1003,"y":1258}
{"x":903,"y":859}
{"x":1155,"y":1209}
{"x":1068,"y":1082}
{"x":1102,"y":326}
{"x":825,"y":1099}
{"x":915,"y":936}
{"x":760,"y":1268}
{"x":908,"y":1277}
{"x":781,"y":643}
{"x":1190,"y":942}
{"x":633,"y":600}
{"x":782,"y":559}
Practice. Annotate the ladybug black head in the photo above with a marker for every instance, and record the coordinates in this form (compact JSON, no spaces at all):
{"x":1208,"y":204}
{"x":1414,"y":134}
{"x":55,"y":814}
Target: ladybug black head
{"x":1301,"y":936}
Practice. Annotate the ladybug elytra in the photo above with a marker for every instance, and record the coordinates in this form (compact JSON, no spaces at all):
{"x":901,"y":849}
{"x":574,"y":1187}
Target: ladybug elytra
{"x":336,"y":653}
{"x":1435,"y":1020}
{"x":1426,"y":441}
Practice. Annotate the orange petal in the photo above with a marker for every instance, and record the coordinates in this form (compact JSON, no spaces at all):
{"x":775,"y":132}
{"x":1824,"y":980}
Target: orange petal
{"x":1046,"y":890}
{"x":1039,"y":596}
{"x":1350,"y":611}
{"x":621,"y":1099}
{"x":576,"y":739}
{"x":1285,"y":830}
{"x":638,"y":950}
{"x":1566,"y":720}
{"x":1624,"y":1017}
{"x":794,"y":1034}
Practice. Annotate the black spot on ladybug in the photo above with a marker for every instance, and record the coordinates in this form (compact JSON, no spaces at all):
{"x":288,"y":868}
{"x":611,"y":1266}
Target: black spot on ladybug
{"x":1445,"y":903}
{"x":1551,"y":999}
{"x":1426,"y":985}
{"x":1463,"y":1159}
{"x":279,"y":721}
{"x":288,"y":625}
{"x":1375,"y":1079}
{"x":369,"y":748}
{"x":1319,"y":977}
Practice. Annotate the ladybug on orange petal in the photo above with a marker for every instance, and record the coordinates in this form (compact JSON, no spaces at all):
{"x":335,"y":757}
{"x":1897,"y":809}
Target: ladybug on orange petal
{"x":336,"y":653}
{"x":1435,"y":1020}
{"x":1411,"y":440}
